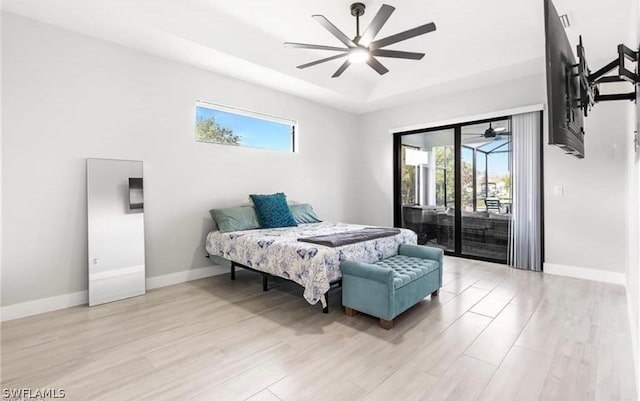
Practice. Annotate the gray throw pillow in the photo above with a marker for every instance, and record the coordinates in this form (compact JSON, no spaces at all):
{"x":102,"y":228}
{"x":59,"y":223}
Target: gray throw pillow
{"x":303,"y":213}
{"x":235,"y":218}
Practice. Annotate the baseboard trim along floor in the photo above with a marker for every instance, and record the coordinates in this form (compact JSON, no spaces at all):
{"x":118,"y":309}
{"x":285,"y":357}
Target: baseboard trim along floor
{"x":585,"y":273}
{"x":38,"y":306}
{"x":43,"y":305}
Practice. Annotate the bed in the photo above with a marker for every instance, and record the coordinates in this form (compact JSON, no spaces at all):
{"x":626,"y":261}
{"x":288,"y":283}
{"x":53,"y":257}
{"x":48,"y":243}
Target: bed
{"x":278,"y":252}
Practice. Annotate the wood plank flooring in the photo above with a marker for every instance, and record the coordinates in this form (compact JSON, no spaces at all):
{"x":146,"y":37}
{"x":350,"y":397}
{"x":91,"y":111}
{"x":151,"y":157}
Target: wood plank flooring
{"x":494,"y":333}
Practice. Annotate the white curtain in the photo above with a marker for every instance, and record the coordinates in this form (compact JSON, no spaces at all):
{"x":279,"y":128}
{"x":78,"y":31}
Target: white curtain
{"x":526,"y":226}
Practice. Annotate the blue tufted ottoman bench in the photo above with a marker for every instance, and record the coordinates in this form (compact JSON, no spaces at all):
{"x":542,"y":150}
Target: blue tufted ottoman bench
{"x":393,"y":285}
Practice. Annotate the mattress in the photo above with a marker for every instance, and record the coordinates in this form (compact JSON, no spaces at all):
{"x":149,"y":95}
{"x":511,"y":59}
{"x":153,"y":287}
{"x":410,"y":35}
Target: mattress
{"x":277,"y":251}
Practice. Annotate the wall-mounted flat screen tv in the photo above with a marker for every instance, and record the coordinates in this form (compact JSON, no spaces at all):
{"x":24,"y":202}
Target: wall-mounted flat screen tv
{"x":567,"y":86}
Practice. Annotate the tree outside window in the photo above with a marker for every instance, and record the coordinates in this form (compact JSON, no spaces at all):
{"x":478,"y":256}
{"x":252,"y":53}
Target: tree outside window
{"x":445,"y":176}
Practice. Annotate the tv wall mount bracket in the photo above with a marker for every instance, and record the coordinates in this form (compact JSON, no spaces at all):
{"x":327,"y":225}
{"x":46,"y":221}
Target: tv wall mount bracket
{"x":623,"y":74}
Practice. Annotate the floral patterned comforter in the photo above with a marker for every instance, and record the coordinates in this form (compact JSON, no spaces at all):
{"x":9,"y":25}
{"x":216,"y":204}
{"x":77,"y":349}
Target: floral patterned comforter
{"x":277,"y":251}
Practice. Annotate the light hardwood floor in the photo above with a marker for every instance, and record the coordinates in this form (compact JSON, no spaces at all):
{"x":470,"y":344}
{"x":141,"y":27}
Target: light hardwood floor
{"x":494,"y":333}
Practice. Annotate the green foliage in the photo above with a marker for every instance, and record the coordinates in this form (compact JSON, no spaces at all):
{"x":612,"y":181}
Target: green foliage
{"x":207,"y":130}
{"x":507,"y":183}
{"x":445,"y":161}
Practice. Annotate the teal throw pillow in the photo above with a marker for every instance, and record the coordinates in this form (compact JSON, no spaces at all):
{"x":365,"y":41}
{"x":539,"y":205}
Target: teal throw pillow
{"x":273,"y":211}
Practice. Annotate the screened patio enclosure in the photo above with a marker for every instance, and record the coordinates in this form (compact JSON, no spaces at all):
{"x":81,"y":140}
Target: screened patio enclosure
{"x":453,"y":187}
{"x":486,"y":168}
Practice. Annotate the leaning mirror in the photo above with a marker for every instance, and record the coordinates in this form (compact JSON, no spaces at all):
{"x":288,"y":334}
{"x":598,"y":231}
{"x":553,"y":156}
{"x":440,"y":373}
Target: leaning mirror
{"x":115,"y":207}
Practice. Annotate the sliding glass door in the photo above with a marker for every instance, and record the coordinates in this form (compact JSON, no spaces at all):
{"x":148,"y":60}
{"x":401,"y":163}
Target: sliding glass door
{"x":427,"y":187}
{"x":486,"y":189}
{"x":453,"y":187}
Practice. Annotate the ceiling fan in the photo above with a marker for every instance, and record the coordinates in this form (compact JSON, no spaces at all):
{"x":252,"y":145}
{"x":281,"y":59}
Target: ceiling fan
{"x":492,"y":133}
{"x":363,"y":48}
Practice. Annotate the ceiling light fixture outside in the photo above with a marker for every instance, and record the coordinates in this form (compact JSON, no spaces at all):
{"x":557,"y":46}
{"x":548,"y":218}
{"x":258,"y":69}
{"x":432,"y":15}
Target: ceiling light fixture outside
{"x":359,"y":55}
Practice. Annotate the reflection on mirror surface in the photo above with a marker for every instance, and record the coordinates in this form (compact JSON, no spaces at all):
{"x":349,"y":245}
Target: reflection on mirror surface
{"x":115,"y":230}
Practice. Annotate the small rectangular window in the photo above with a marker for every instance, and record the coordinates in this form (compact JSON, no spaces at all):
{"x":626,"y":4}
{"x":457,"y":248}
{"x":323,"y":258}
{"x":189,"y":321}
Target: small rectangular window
{"x":229,"y":126}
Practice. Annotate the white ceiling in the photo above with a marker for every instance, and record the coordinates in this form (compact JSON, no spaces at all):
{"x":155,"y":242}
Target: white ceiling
{"x":602,"y":24}
{"x":477,"y":42}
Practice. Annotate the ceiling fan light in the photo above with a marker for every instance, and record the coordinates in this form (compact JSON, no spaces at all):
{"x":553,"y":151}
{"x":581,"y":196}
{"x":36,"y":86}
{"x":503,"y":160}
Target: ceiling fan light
{"x":359,"y":55}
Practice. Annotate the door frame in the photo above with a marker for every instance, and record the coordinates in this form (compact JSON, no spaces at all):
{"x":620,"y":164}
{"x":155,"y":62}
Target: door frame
{"x":457,"y":129}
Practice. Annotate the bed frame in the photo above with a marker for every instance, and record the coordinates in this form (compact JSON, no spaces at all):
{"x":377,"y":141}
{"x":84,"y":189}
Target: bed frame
{"x":265,"y":282}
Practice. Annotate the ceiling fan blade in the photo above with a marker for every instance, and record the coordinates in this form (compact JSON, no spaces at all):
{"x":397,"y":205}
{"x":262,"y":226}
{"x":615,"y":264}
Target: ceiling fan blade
{"x":324,"y":60}
{"x":376,"y":24}
{"x":314,"y":47}
{"x":334,"y":31}
{"x":397,"y":54}
{"x":376,"y":65}
{"x":399,"y":37}
{"x":340,"y":70}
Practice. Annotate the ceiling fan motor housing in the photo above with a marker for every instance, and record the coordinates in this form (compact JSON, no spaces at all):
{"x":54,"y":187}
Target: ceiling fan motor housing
{"x":357,"y":9}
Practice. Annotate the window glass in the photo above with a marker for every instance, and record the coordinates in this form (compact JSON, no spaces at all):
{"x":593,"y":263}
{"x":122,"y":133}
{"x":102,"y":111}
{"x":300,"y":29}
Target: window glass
{"x":225,"y":126}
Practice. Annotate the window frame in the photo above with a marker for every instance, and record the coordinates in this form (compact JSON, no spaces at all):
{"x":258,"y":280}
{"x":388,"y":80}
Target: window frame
{"x":251,"y":114}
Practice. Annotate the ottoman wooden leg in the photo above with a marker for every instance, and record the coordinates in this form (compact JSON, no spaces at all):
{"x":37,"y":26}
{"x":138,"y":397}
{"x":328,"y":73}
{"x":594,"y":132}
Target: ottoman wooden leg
{"x":350,"y":312}
{"x":435,"y":293}
{"x":386,"y":324}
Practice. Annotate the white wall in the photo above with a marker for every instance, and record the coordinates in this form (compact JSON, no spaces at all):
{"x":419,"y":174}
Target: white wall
{"x":633,"y":235}
{"x":633,"y":204}
{"x":67,"y":97}
{"x":585,"y":228}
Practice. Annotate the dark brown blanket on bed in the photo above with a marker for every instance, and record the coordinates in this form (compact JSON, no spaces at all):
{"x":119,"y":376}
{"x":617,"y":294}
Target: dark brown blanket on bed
{"x":351,"y":237}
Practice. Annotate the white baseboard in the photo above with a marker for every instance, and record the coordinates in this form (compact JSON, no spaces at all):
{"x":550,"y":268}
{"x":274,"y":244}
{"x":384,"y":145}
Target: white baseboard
{"x":184,"y":276}
{"x":586,"y":273}
{"x":43,"y":305}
